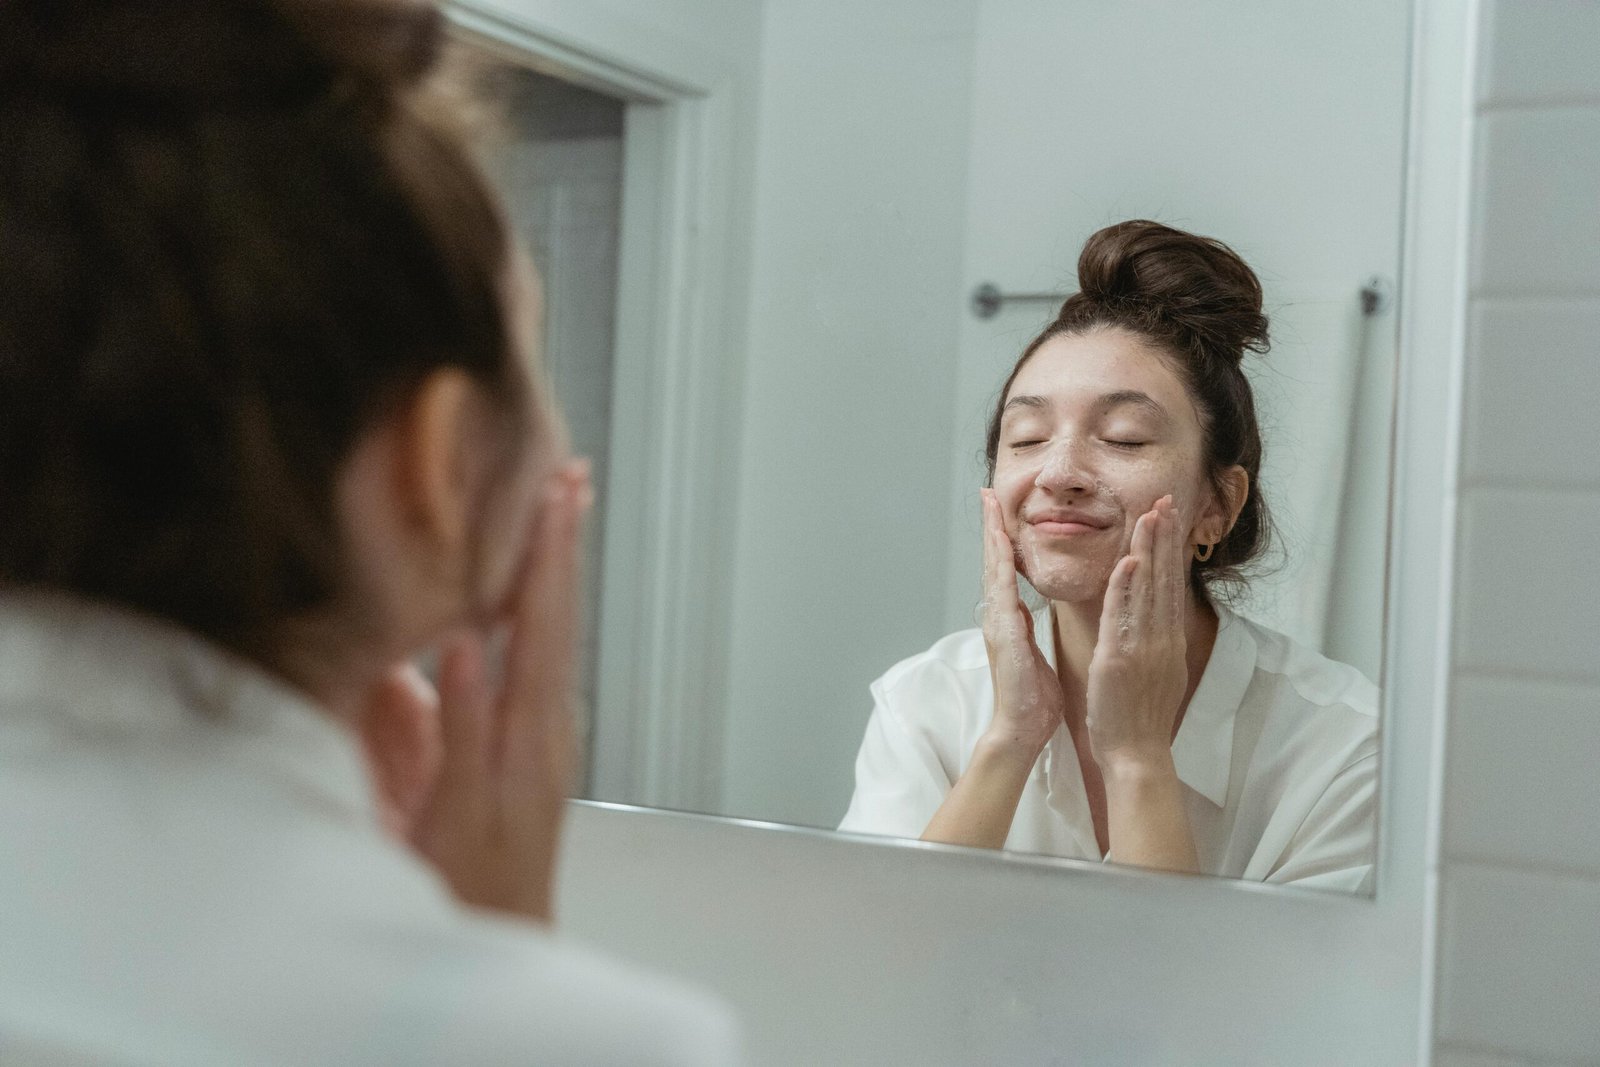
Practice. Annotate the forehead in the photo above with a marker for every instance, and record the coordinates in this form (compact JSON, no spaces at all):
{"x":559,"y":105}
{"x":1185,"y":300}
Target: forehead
{"x":1077,"y":369}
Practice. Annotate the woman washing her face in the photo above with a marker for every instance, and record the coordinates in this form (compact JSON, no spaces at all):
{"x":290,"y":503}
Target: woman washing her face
{"x":1134,"y":718}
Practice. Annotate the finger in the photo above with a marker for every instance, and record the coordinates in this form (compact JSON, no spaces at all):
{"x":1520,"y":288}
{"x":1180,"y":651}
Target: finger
{"x":465,"y":703}
{"x":985,"y":504}
{"x":1163,"y":572}
{"x":399,"y":732}
{"x":1003,"y":605}
{"x":1178,"y":552}
{"x":536,"y":701}
{"x":1143,"y":551}
{"x":999,"y":559}
{"x":1115,"y":616}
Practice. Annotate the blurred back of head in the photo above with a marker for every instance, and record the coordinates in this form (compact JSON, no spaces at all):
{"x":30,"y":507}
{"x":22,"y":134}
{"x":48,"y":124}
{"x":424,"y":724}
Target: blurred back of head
{"x":232,"y":234}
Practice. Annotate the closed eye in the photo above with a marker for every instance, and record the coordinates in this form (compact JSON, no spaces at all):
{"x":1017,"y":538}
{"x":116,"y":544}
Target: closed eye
{"x":1125,"y":444}
{"x":1026,"y":443}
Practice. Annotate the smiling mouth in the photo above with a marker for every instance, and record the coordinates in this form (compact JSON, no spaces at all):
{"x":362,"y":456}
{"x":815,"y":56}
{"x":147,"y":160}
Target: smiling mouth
{"x":1064,"y":527}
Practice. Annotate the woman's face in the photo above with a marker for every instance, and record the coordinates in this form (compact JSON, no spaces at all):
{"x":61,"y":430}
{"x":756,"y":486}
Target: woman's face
{"x":1096,"y":428}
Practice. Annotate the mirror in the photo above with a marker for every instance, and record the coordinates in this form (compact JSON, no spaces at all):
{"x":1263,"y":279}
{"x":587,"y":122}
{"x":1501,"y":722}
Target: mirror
{"x":918,"y":181}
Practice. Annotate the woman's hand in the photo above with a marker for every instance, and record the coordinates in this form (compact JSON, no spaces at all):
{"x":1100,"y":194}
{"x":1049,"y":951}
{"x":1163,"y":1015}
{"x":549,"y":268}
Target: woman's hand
{"x":1028,"y":706}
{"x":1137,"y":680}
{"x":1138,"y":674}
{"x":489,"y":819}
{"x":1028,"y":702}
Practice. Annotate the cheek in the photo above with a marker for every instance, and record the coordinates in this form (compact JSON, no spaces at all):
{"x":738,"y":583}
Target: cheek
{"x":1153,"y":477}
{"x":1012,"y":483}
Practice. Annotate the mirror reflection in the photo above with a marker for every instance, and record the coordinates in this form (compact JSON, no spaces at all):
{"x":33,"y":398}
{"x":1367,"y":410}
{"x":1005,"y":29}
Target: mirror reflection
{"x":1056,"y":498}
{"x":1132,"y":716}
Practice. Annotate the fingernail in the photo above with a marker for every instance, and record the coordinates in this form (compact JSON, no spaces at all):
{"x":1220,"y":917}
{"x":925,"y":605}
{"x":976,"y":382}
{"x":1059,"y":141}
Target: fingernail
{"x":578,"y":470}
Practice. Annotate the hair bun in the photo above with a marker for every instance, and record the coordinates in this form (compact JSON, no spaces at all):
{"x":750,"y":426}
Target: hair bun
{"x":210,"y":53}
{"x":1197,"y":285}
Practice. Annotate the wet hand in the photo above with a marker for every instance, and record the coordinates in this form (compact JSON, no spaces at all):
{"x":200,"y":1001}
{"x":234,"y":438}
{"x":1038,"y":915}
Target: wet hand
{"x":1139,"y":674}
{"x":1028,"y":702}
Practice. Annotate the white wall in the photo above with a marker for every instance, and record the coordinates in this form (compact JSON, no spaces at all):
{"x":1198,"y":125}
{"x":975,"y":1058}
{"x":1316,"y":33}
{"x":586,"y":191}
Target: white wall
{"x":1275,"y":126}
{"x":855,"y":302}
{"x":1519,"y":943}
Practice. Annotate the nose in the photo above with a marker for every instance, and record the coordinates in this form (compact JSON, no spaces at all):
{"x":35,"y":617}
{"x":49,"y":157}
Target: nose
{"x":1061,"y":471}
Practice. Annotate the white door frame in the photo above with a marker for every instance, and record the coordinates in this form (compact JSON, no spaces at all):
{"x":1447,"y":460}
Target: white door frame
{"x":665,"y":590}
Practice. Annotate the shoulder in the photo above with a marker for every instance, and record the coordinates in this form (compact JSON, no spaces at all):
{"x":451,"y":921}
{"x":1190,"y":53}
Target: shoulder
{"x":1312,"y":695}
{"x":952,"y":659}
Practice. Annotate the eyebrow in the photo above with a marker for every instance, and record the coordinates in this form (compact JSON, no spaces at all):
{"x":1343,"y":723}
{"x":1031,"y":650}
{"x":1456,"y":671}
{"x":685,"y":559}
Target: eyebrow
{"x":1037,"y":403}
{"x":1135,"y":397}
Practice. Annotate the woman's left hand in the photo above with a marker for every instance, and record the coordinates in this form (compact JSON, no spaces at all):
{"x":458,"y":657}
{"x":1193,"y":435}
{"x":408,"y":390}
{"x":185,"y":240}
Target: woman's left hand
{"x":1137,"y":679}
{"x":1138,"y":675}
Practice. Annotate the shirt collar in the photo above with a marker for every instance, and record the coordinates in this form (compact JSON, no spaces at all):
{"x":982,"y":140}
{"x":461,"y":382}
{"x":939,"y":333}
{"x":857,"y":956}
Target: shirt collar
{"x":102,"y":671}
{"x":1203,"y":750}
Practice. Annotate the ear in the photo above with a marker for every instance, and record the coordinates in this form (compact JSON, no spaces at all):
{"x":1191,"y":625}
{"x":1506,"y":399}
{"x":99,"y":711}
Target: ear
{"x":1219,"y":515}
{"x":437,"y":475}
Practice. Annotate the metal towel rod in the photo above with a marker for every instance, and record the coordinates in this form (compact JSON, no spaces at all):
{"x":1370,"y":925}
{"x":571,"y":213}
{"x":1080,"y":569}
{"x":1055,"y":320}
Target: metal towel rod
{"x":987,"y":299}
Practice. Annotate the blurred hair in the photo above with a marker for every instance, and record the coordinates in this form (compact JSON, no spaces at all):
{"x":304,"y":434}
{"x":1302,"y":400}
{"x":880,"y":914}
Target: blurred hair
{"x":233,"y":234}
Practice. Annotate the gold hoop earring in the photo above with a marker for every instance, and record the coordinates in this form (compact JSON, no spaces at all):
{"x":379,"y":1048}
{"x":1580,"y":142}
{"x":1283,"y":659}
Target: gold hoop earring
{"x":1203,"y":552}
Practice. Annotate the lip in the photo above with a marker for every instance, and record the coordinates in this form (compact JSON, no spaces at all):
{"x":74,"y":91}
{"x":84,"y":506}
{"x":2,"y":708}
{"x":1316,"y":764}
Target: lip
{"x":1066,"y":524}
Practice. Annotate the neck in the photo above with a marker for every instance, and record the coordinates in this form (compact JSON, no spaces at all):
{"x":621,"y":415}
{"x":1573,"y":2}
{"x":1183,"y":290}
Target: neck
{"x":338,"y":674}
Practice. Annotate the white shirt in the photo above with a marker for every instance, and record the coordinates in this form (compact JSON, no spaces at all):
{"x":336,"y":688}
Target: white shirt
{"x":192,"y":872}
{"x":1277,"y":754}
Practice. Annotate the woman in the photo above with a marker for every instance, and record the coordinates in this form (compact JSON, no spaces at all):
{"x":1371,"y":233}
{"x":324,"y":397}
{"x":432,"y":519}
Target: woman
{"x":271,"y":425}
{"x":1134,"y":718}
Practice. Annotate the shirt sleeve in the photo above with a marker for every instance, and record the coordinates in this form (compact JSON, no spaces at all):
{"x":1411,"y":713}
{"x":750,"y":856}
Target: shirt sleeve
{"x":1335,"y":846}
{"x":900,"y":780}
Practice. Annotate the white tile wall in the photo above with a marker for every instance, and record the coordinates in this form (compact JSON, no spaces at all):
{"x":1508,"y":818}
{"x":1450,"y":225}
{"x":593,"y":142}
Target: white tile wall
{"x":1521,"y":970}
{"x":1537,"y":193}
{"x":1519,"y":945}
{"x":1522,"y":426}
{"x":1527,"y":588}
{"x":1522,"y":785}
{"x":1541,"y":52}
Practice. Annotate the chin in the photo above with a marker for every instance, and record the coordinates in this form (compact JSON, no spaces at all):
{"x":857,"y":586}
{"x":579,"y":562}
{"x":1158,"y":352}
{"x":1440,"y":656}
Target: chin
{"x":1069,"y":581}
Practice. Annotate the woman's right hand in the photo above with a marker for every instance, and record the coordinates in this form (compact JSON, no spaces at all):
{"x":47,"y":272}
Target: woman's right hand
{"x":486,"y":811}
{"x":1028,"y":702}
{"x":1028,"y":706}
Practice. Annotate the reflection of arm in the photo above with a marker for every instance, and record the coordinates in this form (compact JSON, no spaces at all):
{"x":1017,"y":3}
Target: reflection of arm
{"x":1334,"y":846}
{"x":1145,"y":818}
{"x":979,"y":809}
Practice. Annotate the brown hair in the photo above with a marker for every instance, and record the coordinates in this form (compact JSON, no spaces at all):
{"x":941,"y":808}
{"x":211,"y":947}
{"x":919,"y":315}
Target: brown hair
{"x":232,"y":234}
{"x":1199,"y":304}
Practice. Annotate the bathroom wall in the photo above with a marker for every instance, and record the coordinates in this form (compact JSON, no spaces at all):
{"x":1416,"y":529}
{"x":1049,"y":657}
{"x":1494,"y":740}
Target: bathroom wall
{"x":881,"y":200}
{"x":855,"y":307}
{"x":1092,"y":113}
{"x":1519,"y":871}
